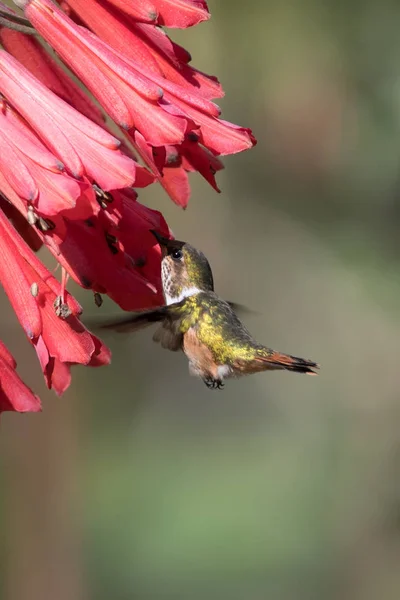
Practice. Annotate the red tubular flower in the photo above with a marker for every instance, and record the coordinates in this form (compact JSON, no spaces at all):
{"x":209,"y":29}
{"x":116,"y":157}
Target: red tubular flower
{"x":95,"y":258}
{"x":171,"y":13}
{"x":82,"y":146}
{"x":116,"y":254}
{"x":131,"y":222}
{"x":14,"y":394}
{"x":181,"y":13}
{"x":133,"y":95}
{"x":20,"y":223}
{"x":65,"y":179}
{"x":32,"y":55}
{"x":144,"y":11}
{"x":60,"y":339}
{"x":172,"y":163}
{"x":37,"y":176}
{"x":93,"y":255}
{"x":188,"y":157}
{"x":146,"y":45}
{"x":131,"y":99}
{"x":220,"y":136}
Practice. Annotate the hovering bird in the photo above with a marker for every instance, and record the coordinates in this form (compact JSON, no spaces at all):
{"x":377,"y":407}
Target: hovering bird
{"x":205,"y":327}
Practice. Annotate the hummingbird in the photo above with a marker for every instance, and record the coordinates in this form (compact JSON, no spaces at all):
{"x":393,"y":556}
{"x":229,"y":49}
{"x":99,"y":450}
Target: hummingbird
{"x":196,"y":320}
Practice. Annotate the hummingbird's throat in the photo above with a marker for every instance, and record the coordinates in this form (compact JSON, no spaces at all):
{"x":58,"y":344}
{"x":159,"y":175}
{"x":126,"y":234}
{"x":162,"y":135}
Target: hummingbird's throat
{"x":174,"y":290}
{"x":176,"y":294}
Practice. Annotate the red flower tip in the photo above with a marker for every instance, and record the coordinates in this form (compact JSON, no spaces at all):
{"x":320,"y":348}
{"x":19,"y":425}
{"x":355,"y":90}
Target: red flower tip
{"x":171,"y":13}
{"x":144,"y":11}
{"x":14,"y":394}
{"x":181,"y":13}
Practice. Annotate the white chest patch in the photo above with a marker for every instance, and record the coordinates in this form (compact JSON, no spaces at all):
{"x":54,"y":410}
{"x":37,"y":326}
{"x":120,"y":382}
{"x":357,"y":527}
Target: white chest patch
{"x":185,"y":293}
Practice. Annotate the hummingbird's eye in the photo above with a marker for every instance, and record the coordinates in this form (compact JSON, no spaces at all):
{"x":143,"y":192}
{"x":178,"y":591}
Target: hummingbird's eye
{"x":177,"y":254}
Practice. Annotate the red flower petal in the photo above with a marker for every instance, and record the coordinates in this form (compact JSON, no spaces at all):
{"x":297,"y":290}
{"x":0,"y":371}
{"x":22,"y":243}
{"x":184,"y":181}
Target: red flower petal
{"x":171,"y":13}
{"x":21,"y":224}
{"x":197,"y":158}
{"x":34,"y":173}
{"x":129,"y":97}
{"x":44,"y":274}
{"x":146,"y":45}
{"x":181,"y":13}
{"x":6,"y":356}
{"x":77,"y":345}
{"x":15,"y":283}
{"x":87,"y":257}
{"x":219,"y":136}
{"x":112,"y":27}
{"x":145,"y":10}
{"x":176,"y":184}
{"x":30,"y":53}
{"x":79,"y":143}
{"x":14,"y":394}
{"x":59,"y":376}
{"x":101,"y":356}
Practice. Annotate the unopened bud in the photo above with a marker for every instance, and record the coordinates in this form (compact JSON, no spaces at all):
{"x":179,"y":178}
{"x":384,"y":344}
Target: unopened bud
{"x":98,"y":300}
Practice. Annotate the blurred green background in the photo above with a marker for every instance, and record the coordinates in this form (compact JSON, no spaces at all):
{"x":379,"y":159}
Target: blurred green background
{"x":140,"y":483}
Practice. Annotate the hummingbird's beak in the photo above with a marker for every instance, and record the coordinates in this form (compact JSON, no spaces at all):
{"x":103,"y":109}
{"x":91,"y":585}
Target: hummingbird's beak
{"x":164,"y":242}
{"x":160,"y":238}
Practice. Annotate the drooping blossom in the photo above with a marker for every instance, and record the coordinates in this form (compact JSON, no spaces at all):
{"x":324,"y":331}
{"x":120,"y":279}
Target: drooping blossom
{"x":82,"y":146}
{"x":134,"y":94}
{"x":145,"y":44}
{"x":14,"y":394}
{"x":26,"y":231}
{"x":47,"y":313}
{"x":36,"y":176}
{"x":33,"y":56}
{"x":67,"y":173}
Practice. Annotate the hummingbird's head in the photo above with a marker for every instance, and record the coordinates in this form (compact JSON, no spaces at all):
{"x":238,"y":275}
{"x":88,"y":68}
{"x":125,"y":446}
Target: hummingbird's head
{"x":184,"y":270}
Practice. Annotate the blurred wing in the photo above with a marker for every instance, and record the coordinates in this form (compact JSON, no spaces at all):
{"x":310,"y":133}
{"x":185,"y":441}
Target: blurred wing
{"x":169,"y":336}
{"x":241,"y":309}
{"x":136,"y":321}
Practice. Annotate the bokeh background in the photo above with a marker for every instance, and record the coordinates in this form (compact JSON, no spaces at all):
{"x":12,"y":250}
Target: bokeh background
{"x":140,"y":483}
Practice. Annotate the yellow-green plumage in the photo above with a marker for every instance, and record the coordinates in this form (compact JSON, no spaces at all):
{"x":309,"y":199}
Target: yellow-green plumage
{"x":217,"y":327}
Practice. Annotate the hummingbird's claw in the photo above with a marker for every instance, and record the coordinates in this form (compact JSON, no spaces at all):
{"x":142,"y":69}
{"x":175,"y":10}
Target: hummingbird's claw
{"x":214,"y":384}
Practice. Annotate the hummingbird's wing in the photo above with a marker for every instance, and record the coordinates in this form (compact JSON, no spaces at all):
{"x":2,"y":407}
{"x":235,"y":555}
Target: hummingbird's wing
{"x":241,"y":309}
{"x":168,"y":334}
{"x":136,"y":321}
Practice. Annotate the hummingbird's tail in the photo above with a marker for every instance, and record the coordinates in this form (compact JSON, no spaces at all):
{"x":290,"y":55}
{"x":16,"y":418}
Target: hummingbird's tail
{"x":269,"y":359}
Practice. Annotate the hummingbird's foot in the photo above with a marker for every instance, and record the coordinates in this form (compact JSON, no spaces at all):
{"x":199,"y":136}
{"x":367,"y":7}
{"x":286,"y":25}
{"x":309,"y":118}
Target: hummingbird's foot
{"x":213,"y":384}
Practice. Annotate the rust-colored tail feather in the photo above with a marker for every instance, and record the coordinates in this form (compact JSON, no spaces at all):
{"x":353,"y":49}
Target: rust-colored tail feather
{"x":276,"y":360}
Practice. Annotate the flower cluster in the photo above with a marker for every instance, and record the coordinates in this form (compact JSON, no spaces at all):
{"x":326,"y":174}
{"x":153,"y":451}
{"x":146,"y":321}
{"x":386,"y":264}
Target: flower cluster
{"x":67,"y":180}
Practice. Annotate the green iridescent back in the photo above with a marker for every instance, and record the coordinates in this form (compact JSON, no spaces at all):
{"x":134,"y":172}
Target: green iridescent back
{"x":217,"y":326}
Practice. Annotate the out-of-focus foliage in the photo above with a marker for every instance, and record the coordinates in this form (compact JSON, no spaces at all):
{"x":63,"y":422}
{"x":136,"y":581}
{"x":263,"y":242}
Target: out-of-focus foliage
{"x":140,"y":483}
